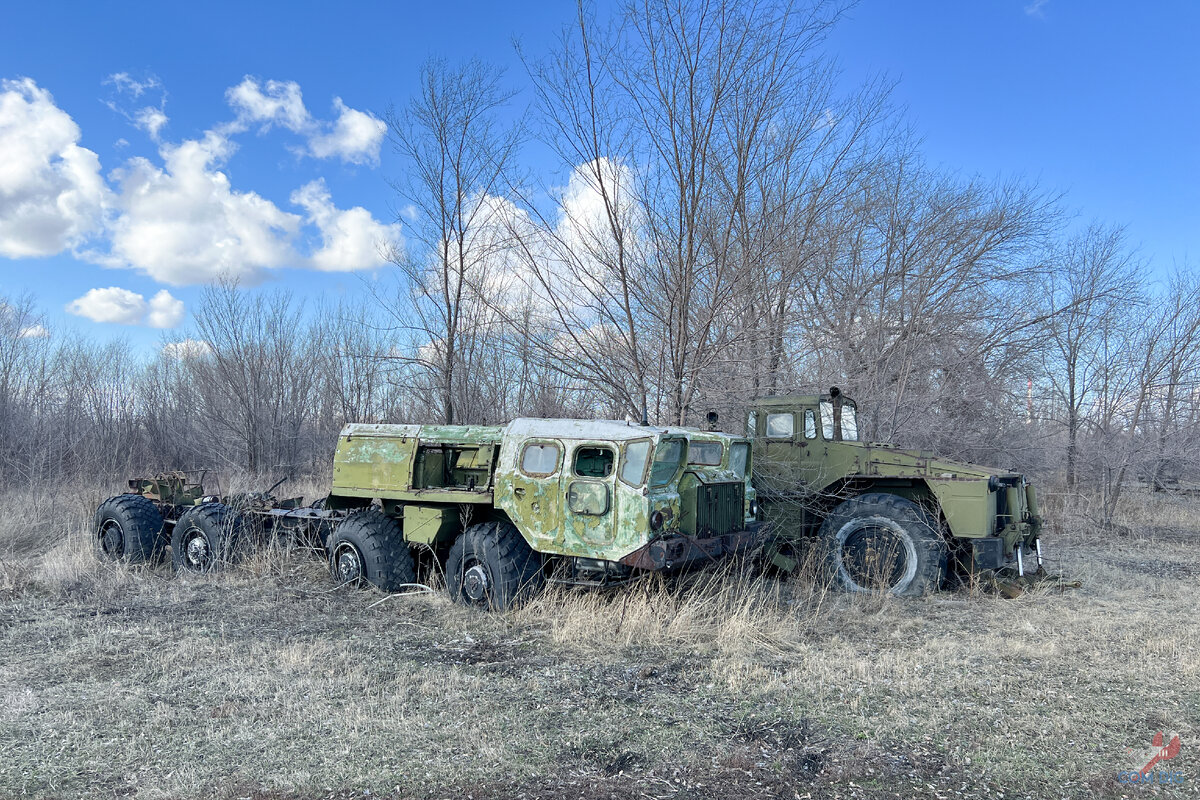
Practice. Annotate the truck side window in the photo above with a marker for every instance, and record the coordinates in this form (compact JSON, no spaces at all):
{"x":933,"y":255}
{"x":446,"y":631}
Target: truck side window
{"x":780,"y":426}
{"x":810,"y":424}
{"x":539,"y":458}
{"x":588,"y":497}
{"x":633,"y":465}
{"x":594,"y":462}
{"x":752,"y":424}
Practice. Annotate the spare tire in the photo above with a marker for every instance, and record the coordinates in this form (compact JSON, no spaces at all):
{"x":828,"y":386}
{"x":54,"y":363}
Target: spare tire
{"x":128,"y":528}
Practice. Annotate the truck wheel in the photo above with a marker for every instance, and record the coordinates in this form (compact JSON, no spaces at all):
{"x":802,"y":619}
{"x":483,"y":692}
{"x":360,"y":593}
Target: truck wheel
{"x":492,"y":566}
{"x":206,"y":538}
{"x":883,"y":542}
{"x":128,"y":528}
{"x":369,"y":547}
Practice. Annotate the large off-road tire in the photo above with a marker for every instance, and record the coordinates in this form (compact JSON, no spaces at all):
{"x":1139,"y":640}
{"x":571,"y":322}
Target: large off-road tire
{"x":492,"y":566}
{"x":369,"y":547}
{"x":883,"y":543}
{"x":206,"y":538}
{"x":128,"y":528}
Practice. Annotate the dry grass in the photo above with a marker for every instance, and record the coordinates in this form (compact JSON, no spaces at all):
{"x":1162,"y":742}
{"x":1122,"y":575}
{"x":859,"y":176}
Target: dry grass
{"x":267,"y":682}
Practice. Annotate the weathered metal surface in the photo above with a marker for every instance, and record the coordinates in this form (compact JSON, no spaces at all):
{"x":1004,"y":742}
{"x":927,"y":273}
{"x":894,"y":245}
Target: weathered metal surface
{"x":586,"y":489}
{"x":430,"y":524}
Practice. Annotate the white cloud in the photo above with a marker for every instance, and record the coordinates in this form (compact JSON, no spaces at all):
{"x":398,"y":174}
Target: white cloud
{"x":164,"y":311}
{"x":276,"y":102}
{"x":355,"y":137}
{"x":186,"y":348}
{"x":36,"y":331}
{"x":151,"y":120}
{"x":51,"y":192}
{"x":110,"y":305}
{"x":184,"y":224}
{"x":179,"y":220}
{"x":128,"y":85}
{"x":350,"y":239}
{"x":123,"y":307}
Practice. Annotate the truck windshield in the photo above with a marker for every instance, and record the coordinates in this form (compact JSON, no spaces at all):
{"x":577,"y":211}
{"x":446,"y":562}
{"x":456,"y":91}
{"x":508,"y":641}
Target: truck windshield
{"x":849,"y":431}
{"x":738,"y":454}
{"x":849,"y":422}
{"x":706,"y":454}
{"x":667,"y":457}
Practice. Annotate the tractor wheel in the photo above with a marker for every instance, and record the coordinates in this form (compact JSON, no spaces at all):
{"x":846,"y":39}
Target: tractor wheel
{"x":206,"y":538}
{"x":883,"y":543}
{"x":128,"y":528}
{"x":492,"y":566}
{"x":369,"y":547}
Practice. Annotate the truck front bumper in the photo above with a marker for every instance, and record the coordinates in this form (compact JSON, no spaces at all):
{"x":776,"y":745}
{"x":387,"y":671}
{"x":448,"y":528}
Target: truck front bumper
{"x":677,"y":551}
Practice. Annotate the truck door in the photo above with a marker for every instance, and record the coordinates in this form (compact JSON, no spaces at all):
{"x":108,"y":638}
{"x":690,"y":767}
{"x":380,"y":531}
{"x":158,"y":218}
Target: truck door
{"x":588,"y":479}
{"x":536,"y":503}
{"x":793,"y":446}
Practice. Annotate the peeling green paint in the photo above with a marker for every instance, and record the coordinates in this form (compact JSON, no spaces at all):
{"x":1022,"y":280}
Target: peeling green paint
{"x":561,"y":505}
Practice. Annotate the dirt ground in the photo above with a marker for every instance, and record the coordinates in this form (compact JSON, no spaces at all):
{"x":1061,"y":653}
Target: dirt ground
{"x":268,"y":682}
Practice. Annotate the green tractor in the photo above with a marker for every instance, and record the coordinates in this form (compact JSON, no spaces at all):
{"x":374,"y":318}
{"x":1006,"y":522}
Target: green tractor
{"x":883,"y":518}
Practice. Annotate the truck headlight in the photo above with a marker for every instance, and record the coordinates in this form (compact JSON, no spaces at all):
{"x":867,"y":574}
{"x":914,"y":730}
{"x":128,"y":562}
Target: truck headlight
{"x":754,"y":508}
{"x":656,"y":521}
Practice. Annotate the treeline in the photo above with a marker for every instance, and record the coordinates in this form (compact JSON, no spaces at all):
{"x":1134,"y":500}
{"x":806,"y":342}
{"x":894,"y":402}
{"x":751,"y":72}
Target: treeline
{"x":724,"y":223}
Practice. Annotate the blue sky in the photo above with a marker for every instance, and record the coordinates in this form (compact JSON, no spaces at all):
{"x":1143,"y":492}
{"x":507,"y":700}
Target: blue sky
{"x":1099,"y":100}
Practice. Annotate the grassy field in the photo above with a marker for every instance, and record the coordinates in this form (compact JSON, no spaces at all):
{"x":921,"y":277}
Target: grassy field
{"x":268,"y":682}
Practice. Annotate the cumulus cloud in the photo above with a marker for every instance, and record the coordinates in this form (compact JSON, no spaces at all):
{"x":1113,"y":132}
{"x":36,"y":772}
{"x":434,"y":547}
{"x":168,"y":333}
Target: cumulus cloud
{"x":350,"y":239}
{"x":151,"y":120}
{"x":186,"y":349}
{"x":177,"y":218}
{"x":164,"y":311}
{"x":275,"y":102}
{"x":51,"y":193}
{"x":354,"y":137}
{"x":123,"y":307}
{"x":184,"y":223}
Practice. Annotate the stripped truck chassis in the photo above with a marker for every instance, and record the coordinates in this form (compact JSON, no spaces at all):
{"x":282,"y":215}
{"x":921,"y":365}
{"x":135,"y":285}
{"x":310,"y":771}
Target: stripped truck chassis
{"x":170,"y":513}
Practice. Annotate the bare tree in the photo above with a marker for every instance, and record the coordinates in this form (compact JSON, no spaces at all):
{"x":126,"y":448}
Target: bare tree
{"x":677,"y":124}
{"x":459,"y":157}
{"x":1091,"y":295}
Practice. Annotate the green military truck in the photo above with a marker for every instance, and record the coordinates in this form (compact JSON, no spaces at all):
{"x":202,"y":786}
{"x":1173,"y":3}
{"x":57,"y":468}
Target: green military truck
{"x":884,"y":518}
{"x":507,"y":509}
{"x":502,"y":510}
